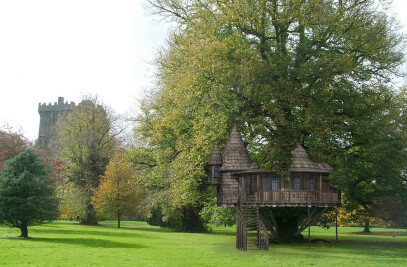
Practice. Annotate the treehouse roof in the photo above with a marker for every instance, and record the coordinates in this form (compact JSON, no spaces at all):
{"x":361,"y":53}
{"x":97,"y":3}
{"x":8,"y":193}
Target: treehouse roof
{"x":235,"y":156}
{"x":216,"y":157}
{"x":302,"y":163}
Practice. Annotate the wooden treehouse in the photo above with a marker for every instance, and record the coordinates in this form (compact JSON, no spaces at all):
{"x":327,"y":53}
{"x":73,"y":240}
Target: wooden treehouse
{"x":242,"y":184}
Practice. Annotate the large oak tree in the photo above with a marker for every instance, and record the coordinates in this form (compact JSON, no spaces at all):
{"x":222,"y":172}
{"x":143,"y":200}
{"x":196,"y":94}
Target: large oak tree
{"x":318,"y":72}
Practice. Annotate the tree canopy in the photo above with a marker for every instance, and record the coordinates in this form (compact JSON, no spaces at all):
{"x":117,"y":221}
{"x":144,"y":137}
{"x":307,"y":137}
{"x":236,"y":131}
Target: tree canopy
{"x":118,"y":193}
{"x":27,"y":195}
{"x":87,"y":140}
{"x":319,"y":72}
{"x":11,"y":144}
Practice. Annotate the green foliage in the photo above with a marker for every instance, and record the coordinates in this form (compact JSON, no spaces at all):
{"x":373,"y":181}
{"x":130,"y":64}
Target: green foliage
{"x":73,"y":201}
{"x":27,"y":196}
{"x":86,"y":141}
{"x":219,"y":216}
{"x":280,"y":72}
{"x":118,"y":193}
{"x":319,"y":72}
{"x":370,"y":172}
{"x":186,"y":219}
{"x":156,"y":218}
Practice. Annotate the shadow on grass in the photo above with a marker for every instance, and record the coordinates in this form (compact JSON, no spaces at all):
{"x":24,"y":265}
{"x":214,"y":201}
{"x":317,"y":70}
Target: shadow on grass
{"x":374,"y":243}
{"x":51,"y":225}
{"x":225,"y":233}
{"x":86,"y":242}
{"x":148,"y":229}
{"x":369,"y":248}
{"x":104,"y":230}
{"x":380,"y":233}
{"x":376,"y":248}
{"x":82,"y":232}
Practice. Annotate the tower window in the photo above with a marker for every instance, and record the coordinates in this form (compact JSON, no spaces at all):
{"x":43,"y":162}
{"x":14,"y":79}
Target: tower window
{"x":216,"y":172}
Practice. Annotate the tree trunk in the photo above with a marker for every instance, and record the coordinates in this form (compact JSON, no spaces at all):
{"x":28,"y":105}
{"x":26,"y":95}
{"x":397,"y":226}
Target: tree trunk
{"x":287,"y":220}
{"x":118,"y":219}
{"x":367,"y":226}
{"x":90,"y":216}
{"x":287,"y":226}
{"x":24,"y":230}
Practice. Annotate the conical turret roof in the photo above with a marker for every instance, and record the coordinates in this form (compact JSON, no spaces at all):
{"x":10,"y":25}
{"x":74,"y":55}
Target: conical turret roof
{"x":216,"y":157}
{"x":302,"y":163}
{"x":235,"y":156}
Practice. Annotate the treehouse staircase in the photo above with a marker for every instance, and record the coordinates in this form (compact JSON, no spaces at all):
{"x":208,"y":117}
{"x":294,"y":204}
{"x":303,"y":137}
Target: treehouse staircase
{"x":251,"y":231}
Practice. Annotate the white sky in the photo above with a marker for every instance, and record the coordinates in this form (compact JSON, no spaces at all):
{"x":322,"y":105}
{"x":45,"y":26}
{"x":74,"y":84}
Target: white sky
{"x":52,"y":48}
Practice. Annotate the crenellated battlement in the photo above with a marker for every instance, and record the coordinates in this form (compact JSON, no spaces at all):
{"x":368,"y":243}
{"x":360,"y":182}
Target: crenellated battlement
{"x":57,"y":106}
{"x":49,"y":115}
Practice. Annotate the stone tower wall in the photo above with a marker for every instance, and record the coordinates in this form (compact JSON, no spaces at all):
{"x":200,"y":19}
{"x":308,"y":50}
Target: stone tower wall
{"x":49,"y":115}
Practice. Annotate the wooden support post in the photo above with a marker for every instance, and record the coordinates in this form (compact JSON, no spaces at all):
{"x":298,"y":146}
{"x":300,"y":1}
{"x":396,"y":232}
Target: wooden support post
{"x":275,"y":224}
{"x":309,"y":229}
{"x":237,"y":228}
{"x":336,"y":224}
{"x":306,"y":221}
{"x":289,"y":190}
{"x":309,"y":220}
{"x":258,"y":189}
{"x":258,"y":226}
{"x":320,"y":188}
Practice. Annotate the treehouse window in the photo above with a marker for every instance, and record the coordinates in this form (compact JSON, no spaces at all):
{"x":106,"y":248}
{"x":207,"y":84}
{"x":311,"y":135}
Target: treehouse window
{"x":311,"y":183}
{"x":266,"y":182}
{"x":297,"y":182}
{"x":216,"y":172}
{"x":276,"y":182}
{"x":240,"y":184}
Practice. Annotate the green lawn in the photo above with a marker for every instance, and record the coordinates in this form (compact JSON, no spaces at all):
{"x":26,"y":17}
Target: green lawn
{"x":137,"y":244}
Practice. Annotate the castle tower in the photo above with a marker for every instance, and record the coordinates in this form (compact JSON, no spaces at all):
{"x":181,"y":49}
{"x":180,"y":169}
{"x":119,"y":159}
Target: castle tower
{"x":49,"y":115}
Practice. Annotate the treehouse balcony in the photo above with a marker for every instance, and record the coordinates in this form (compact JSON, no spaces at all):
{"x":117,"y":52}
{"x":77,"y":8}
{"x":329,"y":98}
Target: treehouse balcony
{"x":289,"y":197}
{"x":257,"y":188}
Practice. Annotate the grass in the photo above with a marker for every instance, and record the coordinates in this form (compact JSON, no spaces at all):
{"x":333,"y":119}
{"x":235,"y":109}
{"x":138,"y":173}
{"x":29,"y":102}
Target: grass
{"x":64,"y":243}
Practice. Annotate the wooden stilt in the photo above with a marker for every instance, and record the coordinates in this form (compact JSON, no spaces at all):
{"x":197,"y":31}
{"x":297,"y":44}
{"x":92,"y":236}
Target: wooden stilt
{"x":258,"y":226}
{"x":309,"y":220}
{"x":273,"y":228}
{"x":320,"y":188}
{"x":336,"y":224}
{"x":304,"y":225}
{"x":309,"y":230}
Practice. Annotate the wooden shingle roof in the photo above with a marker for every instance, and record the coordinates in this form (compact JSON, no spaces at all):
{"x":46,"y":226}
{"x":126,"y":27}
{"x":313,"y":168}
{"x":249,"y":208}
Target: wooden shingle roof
{"x":302,"y":163}
{"x":235,"y":156}
{"x":216,"y":157}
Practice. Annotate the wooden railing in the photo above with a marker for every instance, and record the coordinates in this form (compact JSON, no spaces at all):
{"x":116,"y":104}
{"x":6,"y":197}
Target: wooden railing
{"x":262,"y":234}
{"x":289,"y":196}
{"x":241,"y":231}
